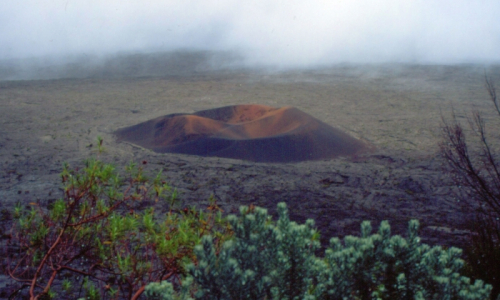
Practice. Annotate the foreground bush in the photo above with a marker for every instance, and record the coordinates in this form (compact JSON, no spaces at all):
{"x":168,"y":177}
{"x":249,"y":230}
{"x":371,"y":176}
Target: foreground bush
{"x":477,"y":173}
{"x":276,"y":260}
{"x":99,"y":242}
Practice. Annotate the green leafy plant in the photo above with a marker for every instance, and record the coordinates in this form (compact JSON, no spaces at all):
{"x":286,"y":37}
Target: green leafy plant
{"x":276,"y":260}
{"x":99,"y":236}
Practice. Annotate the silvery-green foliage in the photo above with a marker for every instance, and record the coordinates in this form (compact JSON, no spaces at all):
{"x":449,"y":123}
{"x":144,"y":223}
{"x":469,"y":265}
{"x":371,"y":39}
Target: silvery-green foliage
{"x":295,"y":262}
{"x":379,"y":266}
{"x":240,"y":269}
{"x":165,"y":291}
{"x":159,"y":291}
{"x":276,"y":260}
{"x":263,"y":260}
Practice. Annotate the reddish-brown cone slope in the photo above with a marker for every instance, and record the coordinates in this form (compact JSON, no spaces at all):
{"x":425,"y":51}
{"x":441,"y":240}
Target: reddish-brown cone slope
{"x":249,"y":132}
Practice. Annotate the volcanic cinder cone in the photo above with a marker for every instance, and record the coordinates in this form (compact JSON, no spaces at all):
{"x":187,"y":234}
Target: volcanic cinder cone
{"x":249,"y":132}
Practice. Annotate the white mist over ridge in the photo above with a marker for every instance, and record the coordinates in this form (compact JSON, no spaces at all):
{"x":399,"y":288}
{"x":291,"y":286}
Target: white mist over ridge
{"x":158,"y":64}
{"x":265,"y":32}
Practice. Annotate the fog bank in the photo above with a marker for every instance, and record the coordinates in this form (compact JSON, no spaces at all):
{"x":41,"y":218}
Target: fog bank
{"x":271,"y":33}
{"x":266,"y":31}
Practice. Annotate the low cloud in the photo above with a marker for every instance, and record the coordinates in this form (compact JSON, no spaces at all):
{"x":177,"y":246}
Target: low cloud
{"x":265,"y":32}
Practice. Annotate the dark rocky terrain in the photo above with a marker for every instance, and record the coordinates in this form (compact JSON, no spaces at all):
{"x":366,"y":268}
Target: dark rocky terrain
{"x":44,"y":123}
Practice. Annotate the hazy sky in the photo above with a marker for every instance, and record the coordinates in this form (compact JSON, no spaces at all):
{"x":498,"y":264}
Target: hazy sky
{"x":289,"y":32}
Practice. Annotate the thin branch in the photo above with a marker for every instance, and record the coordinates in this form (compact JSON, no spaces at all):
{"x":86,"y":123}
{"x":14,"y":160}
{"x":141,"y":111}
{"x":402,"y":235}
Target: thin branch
{"x":102,"y":215}
{"x":42,"y":264}
{"x":493,"y":94}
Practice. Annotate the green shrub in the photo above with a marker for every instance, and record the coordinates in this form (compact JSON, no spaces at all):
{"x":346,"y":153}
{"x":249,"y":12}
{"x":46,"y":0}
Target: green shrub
{"x":99,"y":239}
{"x":276,"y":260}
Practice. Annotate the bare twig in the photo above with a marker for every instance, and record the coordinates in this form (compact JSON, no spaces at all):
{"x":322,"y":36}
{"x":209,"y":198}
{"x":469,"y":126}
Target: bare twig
{"x":479,"y":173}
{"x":493,"y":94}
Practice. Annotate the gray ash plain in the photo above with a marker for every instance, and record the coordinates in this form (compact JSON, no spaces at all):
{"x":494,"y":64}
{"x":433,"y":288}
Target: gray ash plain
{"x":397,"y":108}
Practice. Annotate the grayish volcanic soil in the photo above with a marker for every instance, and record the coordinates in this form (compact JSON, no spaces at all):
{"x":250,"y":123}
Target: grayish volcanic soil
{"x":396,"y":108}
